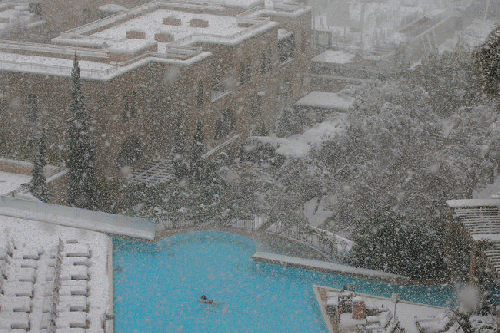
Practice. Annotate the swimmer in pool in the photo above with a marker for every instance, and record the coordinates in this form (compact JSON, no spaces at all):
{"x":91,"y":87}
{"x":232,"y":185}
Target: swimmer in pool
{"x":206,"y":300}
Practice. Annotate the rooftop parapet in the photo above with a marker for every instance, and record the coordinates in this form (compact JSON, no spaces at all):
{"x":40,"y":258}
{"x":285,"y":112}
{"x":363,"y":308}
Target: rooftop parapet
{"x":166,"y":23}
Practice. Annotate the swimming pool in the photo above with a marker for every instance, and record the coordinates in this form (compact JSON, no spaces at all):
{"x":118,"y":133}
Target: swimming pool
{"x":157,"y":287}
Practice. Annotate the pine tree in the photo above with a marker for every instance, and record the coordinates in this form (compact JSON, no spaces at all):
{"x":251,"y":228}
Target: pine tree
{"x":197,"y":149}
{"x":38,"y":185}
{"x":178,"y":151}
{"x":82,"y":183}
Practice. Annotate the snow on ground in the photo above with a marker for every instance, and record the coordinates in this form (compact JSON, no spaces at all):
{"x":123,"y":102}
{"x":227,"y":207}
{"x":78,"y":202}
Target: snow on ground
{"x":328,"y":100}
{"x":473,"y":35}
{"x":489,"y":191}
{"x":9,"y":181}
{"x":30,"y":236}
{"x":81,"y":218}
{"x":336,"y":57}
{"x":300,"y":145}
{"x":316,"y":211}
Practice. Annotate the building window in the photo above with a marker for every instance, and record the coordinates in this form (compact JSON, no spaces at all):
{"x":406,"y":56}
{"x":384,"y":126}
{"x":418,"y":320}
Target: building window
{"x":32,"y":107}
{"x":129,"y":107}
{"x":245,"y":70}
{"x":266,"y":61}
{"x":225,"y":124}
{"x":199,"y":95}
{"x":286,"y":47}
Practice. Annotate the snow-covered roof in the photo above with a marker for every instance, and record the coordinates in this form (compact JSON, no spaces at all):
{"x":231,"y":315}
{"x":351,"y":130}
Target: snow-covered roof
{"x":338,"y":101}
{"x":95,"y":65}
{"x":9,"y":181}
{"x":15,"y":14}
{"x":167,"y":24}
{"x":465,"y":203}
{"x":112,"y":8}
{"x":232,"y":3}
{"x":336,"y":57}
{"x":80,"y":218}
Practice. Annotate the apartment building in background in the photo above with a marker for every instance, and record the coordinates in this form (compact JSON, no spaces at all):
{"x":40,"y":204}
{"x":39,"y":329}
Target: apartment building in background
{"x":148,"y":70}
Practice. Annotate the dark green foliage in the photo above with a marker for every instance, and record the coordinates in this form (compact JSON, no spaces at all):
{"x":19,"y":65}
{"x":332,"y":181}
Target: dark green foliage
{"x":291,"y":122}
{"x":196,"y":165}
{"x":487,"y":63}
{"x":260,"y":129}
{"x":390,"y":243}
{"x":82,"y":179}
{"x":38,"y":185}
{"x":448,"y":79}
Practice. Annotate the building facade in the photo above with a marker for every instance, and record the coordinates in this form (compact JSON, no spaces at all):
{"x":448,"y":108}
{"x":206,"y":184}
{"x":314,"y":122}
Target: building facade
{"x":149,"y":70}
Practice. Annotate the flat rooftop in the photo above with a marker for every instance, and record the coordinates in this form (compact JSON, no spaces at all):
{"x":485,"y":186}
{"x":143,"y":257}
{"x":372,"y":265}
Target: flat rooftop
{"x":327,"y":100}
{"x":163,"y":25}
{"x":180,"y":29}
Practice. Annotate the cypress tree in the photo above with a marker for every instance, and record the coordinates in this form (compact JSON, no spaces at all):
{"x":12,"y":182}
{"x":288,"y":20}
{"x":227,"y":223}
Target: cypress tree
{"x":178,"y":150}
{"x":197,"y":149}
{"x":82,"y":182}
{"x":38,"y":185}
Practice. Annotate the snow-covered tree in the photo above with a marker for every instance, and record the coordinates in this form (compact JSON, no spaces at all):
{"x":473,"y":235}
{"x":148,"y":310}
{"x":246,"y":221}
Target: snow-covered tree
{"x":397,"y":245}
{"x":196,"y":165}
{"x":82,"y":179}
{"x":38,"y":185}
{"x":487,"y":63}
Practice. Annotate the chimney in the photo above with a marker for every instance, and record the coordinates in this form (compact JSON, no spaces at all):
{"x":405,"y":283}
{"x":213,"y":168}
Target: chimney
{"x":171,"y":20}
{"x":198,"y":23}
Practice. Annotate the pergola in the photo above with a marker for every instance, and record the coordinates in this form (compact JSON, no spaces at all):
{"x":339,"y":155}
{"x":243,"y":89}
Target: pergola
{"x":478,"y":222}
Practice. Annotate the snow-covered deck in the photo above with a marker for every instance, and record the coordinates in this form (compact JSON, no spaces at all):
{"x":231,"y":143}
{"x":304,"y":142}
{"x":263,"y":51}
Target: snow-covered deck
{"x":407,"y":313}
{"x":79,"y":218}
{"x":327,"y":267}
{"x":9,"y":181}
{"x":37,"y":290}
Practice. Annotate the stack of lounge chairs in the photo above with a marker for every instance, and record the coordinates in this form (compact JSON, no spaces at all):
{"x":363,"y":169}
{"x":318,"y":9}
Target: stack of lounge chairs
{"x":72,"y":290}
{"x":18,"y":268}
{"x":45,"y":291}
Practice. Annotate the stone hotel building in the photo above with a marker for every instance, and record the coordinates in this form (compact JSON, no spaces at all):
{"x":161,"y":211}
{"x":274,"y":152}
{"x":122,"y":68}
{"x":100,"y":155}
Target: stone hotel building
{"x":150,"y":69}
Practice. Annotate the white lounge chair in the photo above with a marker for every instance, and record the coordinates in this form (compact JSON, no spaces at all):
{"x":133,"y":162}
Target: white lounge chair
{"x":71,"y":320}
{"x":72,"y":303}
{"x":16,"y":304}
{"x":14,"y":320}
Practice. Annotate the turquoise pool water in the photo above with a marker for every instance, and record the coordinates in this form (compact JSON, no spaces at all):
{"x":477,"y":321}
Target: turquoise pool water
{"x":157,"y":287}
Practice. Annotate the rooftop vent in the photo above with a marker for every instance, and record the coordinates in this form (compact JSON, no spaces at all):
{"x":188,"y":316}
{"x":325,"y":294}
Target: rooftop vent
{"x":136,"y":35}
{"x":245,"y":24}
{"x":162,"y":37}
{"x":198,"y":23}
{"x":171,"y":20}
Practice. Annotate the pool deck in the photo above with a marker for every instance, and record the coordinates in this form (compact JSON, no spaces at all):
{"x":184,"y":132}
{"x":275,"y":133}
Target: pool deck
{"x":406,"y":312}
{"x":328,"y":267}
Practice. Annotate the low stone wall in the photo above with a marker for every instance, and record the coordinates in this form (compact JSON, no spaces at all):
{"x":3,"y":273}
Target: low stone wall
{"x":18,"y":167}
